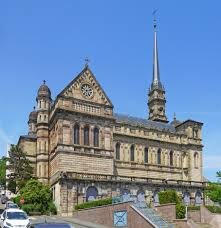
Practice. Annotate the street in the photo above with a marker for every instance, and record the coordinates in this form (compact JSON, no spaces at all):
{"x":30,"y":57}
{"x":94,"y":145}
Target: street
{"x":53,"y":219}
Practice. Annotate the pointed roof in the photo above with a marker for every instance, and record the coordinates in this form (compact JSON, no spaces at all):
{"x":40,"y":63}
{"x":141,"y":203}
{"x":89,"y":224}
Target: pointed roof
{"x":86,"y":68}
{"x":156,"y":83}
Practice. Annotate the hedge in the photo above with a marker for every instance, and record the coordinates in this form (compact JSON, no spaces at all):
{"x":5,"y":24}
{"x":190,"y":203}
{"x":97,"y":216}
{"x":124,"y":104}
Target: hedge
{"x":31,"y":209}
{"x":214,"y":209}
{"x":169,"y":196}
{"x":180,"y":211}
{"x":193,"y":208}
{"x":95,"y":203}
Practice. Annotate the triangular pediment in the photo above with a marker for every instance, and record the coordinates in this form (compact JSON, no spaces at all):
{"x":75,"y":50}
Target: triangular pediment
{"x":86,"y":87}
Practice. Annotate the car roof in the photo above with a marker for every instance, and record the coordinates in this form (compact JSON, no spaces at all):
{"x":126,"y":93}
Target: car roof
{"x":14,"y":210}
{"x":10,"y":202}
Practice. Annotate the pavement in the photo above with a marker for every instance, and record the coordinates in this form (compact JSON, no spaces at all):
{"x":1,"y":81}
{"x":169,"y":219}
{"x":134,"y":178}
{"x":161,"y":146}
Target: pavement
{"x":75,"y":222}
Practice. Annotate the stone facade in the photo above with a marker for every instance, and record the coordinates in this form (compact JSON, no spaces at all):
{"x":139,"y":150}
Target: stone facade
{"x":84,"y":150}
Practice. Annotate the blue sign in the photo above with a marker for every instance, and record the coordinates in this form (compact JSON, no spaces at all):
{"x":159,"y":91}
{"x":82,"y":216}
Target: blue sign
{"x":120,"y":218}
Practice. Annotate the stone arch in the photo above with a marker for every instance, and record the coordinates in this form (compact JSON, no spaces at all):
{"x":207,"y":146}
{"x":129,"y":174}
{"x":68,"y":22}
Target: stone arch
{"x":117,"y":151}
{"x":91,"y":193}
{"x":159,"y":159}
{"x":186,"y":198}
{"x":86,"y":135}
{"x":156,"y":200}
{"x":141,"y":195}
{"x":198,"y":198}
{"x":132,"y":156}
{"x":76,"y":133}
{"x":96,"y":137}
{"x":125,"y":193}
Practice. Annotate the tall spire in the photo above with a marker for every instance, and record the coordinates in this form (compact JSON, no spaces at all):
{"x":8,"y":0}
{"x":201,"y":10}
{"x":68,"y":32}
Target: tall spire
{"x":156,"y":84}
{"x":157,"y":100}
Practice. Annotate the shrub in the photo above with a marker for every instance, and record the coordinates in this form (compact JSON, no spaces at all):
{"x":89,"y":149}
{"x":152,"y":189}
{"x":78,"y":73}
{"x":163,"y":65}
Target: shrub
{"x":180,"y":211}
{"x":169,"y":196}
{"x":193,"y":208}
{"x":52,"y":209}
{"x":214,"y":209}
{"x":95,"y":203}
{"x":17,"y":200}
{"x":30,"y":208}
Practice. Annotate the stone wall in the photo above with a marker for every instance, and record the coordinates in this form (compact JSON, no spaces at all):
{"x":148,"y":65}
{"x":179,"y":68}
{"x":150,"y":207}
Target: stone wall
{"x":167,"y":211}
{"x":104,"y":216}
{"x":82,"y":163}
{"x":194,"y":215}
{"x":210,"y":218}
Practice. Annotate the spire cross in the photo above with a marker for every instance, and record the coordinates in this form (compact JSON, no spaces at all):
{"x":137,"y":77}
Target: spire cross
{"x":87,"y":60}
{"x":44,"y":82}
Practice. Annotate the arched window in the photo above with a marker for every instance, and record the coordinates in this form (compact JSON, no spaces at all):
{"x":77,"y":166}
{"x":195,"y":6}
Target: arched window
{"x":132,"y":153}
{"x":118,"y":151}
{"x":196,"y":160}
{"x":86,"y":136}
{"x":96,"y":137}
{"x":76,"y":134}
{"x":91,"y":193}
{"x":146,"y":155}
{"x":198,"y":198}
{"x":171,"y":158}
{"x":159,"y":157}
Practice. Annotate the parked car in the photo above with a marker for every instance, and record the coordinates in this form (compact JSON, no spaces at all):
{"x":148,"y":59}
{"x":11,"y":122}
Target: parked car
{"x":51,"y":225}
{"x":8,"y":203}
{"x":12,"y":205}
{"x":14,"y":218}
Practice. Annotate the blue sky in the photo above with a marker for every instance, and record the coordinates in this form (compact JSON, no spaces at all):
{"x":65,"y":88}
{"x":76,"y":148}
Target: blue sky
{"x":50,"y":40}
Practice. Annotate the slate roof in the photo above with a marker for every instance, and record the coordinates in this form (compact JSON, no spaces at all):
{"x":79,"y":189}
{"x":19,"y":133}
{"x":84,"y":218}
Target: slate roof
{"x":139,"y":122}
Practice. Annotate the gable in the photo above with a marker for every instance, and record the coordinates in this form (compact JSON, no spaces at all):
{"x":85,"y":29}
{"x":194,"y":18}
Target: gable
{"x":86,"y":87}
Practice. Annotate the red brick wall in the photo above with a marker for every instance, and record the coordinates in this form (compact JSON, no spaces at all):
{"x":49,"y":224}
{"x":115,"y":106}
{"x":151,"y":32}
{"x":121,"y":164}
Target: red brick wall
{"x":104,"y":216}
{"x":167,"y":211}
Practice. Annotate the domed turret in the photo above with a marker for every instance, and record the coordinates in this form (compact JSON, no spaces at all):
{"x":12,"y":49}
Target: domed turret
{"x":33,"y":116}
{"x":44,"y":91}
{"x":32,"y":120}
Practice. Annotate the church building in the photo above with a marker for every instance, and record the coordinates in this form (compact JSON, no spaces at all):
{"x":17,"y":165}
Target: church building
{"x":85,"y":151}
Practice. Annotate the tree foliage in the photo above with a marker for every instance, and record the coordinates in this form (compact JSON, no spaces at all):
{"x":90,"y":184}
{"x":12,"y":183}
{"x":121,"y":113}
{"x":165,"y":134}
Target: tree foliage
{"x":20,"y":167}
{"x":37,"y":197}
{"x":169,"y":196}
{"x":218,"y":174}
{"x":214,"y":192}
{"x":3,"y":171}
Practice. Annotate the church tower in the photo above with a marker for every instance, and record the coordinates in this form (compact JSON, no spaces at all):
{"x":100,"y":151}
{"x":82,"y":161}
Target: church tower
{"x":156,"y":95}
{"x":44,"y":104}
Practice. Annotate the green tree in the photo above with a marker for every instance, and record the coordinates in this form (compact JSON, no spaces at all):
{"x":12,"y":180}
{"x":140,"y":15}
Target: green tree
{"x":37,"y":196}
{"x":213,"y":191}
{"x":3,"y":171}
{"x":20,"y":167}
{"x":218,"y":174}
